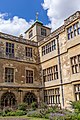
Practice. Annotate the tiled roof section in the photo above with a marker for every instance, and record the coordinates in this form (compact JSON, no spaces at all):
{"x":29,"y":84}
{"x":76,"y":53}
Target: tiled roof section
{"x":52,"y":35}
{"x":72,"y":18}
{"x":18,"y":39}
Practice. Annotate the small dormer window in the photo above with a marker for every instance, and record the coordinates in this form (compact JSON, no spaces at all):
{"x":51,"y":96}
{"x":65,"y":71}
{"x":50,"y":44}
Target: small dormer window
{"x":30,"y":34}
{"x":43,"y":31}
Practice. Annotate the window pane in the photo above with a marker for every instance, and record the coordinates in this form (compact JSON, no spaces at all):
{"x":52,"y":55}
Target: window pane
{"x":77,"y":92}
{"x":49,"y":47}
{"x":29,"y":76}
{"x":50,"y":97}
{"x":28,"y":52}
{"x":43,"y":31}
{"x":9,"y":74}
{"x":9,"y":49}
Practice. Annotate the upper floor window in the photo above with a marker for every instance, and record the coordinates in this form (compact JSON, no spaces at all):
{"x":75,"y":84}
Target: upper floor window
{"x":28,"y":52}
{"x":9,"y":74}
{"x":73,"y":30}
{"x":53,"y":45}
{"x":43,"y":31}
{"x":30,"y":34}
{"x":75,"y":64}
{"x":29,"y":76}
{"x":49,"y":47}
{"x":9,"y":49}
{"x":70,"y":32}
{"x":77,"y":92}
{"x":50,"y":73}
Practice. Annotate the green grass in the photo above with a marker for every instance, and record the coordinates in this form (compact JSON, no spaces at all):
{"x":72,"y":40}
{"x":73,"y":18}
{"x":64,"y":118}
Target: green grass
{"x":29,"y":118}
{"x":37,"y":118}
{"x":34,"y":118}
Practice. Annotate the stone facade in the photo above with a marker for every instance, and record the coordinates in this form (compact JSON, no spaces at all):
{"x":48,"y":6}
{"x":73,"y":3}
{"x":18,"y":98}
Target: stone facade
{"x":54,"y":63}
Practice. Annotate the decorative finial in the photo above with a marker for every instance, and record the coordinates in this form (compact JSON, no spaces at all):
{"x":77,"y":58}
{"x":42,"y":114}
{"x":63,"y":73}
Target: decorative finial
{"x":37,"y":15}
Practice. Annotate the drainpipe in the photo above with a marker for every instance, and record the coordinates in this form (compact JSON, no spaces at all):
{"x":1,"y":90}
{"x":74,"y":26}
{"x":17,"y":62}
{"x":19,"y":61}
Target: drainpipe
{"x":59,"y":63}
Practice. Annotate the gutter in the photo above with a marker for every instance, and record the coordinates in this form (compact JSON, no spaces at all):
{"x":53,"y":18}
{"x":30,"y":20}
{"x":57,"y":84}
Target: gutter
{"x":59,"y":63}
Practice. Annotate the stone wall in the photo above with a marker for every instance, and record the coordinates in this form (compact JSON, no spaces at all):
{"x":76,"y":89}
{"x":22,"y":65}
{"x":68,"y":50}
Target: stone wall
{"x":20,"y":53}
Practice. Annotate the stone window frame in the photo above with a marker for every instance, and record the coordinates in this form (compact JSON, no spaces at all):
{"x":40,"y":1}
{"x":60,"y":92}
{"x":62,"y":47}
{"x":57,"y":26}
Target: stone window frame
{"x":10,"y":49}
{"x":75,"y":64}
{"x":13,"y":74}
{"x":49,"y":47}
{"x":50,"y":73}
{"x":52,"y":96}
{"x":29,"y":69}
{"x":73,"y":30}
{"x":29,"y":52}
{"x":77,"y":91}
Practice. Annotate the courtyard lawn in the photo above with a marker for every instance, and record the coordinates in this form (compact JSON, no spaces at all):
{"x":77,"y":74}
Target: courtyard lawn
{"x":37,"y":118}
{"x":21,"y":118}
{"x":33,"y":118}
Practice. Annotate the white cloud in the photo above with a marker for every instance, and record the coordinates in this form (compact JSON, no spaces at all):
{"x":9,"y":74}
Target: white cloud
{"x":14,"y":26}
{"x":58,"y":10}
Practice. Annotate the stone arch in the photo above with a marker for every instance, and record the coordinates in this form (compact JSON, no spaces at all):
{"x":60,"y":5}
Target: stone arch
{"x":29,"y":98}
{"x":8,"y":99}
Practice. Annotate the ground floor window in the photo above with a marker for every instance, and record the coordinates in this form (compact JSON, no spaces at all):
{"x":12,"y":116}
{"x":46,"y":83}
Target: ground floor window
{"x":8,"y":99}
{"x":30,"y":98}
{"x":77,"y":92}
{"x":52,"y":96}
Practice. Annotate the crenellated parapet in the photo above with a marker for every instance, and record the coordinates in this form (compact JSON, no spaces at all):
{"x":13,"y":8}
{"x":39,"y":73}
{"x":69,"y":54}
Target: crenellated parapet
{"x":72,"y":18}
{"x":17,"y":39}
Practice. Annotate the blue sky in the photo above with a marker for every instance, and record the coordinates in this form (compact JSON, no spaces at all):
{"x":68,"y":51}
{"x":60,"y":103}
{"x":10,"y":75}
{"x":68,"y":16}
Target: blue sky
{"x":24,"y":9}
{"x":16,"y":16}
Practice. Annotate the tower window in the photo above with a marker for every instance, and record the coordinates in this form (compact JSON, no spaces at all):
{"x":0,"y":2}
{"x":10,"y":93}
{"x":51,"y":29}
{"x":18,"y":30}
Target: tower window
{"x":30,"y":34}
{"x":43,"y":31}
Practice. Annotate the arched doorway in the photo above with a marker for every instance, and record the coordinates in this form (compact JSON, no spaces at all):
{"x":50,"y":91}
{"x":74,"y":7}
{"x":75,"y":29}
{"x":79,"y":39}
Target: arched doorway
{"x":8,"y":99}
{"x":29,"y":98}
